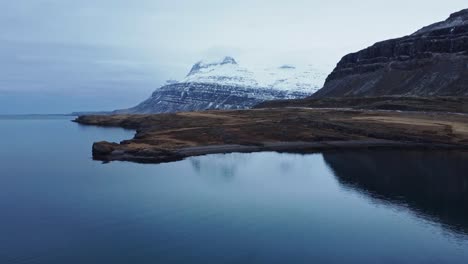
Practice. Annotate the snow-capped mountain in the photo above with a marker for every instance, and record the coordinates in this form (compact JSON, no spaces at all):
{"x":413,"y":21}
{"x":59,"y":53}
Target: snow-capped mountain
{"x":224,"y":72}
{"x":224,"y":84}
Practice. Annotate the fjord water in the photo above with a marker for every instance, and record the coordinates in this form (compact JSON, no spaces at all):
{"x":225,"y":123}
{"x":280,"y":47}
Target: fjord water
{"x":57,"y":205}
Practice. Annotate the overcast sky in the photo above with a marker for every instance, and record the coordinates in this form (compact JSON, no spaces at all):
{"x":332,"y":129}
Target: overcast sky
{"x":69,"y":55}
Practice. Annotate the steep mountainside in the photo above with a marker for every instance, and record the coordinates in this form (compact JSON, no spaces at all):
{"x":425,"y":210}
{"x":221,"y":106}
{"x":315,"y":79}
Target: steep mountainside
{"x":432,"y":61}
{"x":225,"y":84}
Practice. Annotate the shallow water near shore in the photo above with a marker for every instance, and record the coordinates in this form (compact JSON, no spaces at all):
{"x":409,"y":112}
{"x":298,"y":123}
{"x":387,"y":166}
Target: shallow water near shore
{"x":59,"y":206}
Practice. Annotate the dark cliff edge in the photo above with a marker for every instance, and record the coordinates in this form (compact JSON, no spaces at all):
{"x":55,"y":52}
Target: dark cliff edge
{"x":431,"y":62}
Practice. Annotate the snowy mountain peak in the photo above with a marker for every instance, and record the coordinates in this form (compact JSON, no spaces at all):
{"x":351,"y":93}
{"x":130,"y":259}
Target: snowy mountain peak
{"x":229,"y":60}
{"x":224,"y":72}
{"x":209,"y":64}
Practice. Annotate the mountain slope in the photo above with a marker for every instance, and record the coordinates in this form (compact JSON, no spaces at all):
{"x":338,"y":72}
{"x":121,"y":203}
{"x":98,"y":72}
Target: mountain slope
{"x":431,"y":62}
{"x":224,"y":84}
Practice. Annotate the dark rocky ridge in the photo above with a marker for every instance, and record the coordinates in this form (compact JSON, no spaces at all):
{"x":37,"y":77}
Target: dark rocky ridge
{"x":432,"y":61}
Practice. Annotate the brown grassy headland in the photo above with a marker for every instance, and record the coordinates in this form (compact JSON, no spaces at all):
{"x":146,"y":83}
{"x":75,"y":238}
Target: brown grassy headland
{"x":170,"y":137}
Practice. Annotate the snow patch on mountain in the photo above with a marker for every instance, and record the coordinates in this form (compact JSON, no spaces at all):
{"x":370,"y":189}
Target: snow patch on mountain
{"x":292,"y":78}
{"x":224,"y":72}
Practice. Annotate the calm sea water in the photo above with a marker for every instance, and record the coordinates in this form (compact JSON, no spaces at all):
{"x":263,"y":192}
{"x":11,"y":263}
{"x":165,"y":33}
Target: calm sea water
{"x":57,"y":205}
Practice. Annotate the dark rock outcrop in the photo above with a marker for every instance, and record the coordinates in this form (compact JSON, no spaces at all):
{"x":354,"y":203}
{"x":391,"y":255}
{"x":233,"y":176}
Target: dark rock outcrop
{"x":103,"y":149}
{"x":432,"y":61}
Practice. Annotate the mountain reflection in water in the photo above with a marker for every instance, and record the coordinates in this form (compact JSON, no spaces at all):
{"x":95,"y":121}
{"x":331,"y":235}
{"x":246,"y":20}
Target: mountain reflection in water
{"x":433,"y":184}
{"x":224,"y":167}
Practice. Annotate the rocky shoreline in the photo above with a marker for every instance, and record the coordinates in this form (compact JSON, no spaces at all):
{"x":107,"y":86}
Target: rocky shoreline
{"x":283,"y":147}
{"x":173,"y":137}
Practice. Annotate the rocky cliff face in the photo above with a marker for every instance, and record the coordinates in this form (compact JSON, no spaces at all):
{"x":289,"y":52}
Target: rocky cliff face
{"x":432,"y":61}
{"x":187,"y":97}
{"x":224,"y":84}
